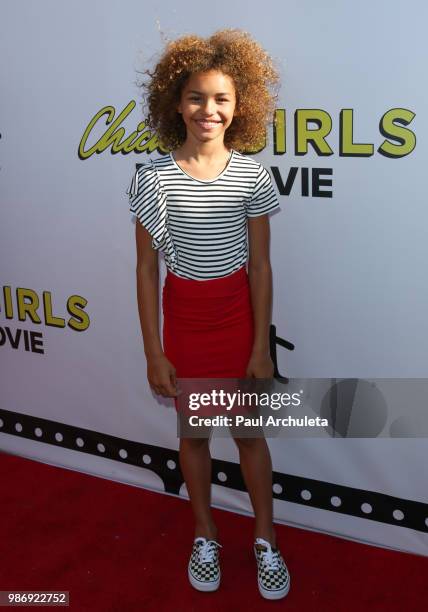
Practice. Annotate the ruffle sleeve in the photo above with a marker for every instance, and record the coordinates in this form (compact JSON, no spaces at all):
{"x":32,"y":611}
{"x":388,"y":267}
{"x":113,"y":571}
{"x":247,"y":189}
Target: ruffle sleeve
{"x":148,"y":202}
{"x":264,"y":199}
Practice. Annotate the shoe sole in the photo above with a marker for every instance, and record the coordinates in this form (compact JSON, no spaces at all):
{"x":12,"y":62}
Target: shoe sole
{"x":203,"y":586}
{"x":279,"y":594}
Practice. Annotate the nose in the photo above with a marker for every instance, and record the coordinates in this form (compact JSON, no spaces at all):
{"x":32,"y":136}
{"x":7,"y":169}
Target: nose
{"x":209,"y":107}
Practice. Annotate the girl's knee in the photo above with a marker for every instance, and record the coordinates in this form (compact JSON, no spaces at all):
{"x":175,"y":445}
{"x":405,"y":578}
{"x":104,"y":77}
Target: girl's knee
{"x":246,"y":442}
{"x":193,"y":443}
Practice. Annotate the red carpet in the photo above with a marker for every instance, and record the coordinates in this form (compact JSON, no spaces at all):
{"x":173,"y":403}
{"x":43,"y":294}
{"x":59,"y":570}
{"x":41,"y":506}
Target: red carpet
{"x":120,"y":548}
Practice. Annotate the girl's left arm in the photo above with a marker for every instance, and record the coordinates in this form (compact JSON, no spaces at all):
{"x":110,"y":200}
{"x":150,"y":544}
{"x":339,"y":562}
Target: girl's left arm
{"x":260,"y":278}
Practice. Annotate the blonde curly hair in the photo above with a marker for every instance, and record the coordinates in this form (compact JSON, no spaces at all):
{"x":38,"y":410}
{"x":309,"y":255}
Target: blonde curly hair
{"x":236,"y":54}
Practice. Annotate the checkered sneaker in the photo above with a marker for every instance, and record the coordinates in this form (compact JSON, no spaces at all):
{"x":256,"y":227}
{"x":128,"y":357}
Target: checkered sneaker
{"x":272,"y":573}
{"x":204,"y":567}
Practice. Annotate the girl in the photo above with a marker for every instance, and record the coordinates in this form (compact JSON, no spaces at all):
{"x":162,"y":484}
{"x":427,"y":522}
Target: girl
{"x":205,"y":205}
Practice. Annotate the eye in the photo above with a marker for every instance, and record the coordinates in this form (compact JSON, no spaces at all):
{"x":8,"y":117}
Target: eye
{"x":219,"y":99}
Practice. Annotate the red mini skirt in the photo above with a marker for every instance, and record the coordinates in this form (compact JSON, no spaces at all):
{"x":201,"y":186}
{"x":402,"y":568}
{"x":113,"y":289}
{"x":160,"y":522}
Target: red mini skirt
{"x":208,"y":327}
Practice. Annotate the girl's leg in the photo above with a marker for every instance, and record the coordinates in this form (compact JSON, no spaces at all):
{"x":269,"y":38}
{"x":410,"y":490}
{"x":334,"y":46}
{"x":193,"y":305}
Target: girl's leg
{"x":195,"y":463}
{"x":256,"y":468}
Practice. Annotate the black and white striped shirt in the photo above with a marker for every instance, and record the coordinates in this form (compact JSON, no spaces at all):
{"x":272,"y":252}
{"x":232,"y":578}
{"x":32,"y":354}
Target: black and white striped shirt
{"x":199,"y":225}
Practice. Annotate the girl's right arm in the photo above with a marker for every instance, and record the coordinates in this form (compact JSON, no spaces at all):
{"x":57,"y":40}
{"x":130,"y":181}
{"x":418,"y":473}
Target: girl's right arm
{"x":160,"y":371}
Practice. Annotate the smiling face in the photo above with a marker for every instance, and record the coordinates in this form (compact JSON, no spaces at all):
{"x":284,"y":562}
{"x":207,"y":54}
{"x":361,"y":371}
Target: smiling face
{"x":207,"y":105}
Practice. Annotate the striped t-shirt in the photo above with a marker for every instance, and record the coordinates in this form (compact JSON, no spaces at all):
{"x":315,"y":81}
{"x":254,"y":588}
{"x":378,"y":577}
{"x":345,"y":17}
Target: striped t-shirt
{"x":199,"y":225}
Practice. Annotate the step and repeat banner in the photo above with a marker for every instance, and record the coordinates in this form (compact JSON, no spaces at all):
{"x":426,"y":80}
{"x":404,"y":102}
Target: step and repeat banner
{"x":347,"y":158}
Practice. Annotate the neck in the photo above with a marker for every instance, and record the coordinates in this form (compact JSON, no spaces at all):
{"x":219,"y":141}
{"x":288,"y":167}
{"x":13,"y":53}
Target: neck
{"x":205,"y":152}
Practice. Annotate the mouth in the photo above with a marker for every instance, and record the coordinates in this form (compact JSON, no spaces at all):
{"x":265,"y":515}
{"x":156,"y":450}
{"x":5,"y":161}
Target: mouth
{"x":207,"y":125}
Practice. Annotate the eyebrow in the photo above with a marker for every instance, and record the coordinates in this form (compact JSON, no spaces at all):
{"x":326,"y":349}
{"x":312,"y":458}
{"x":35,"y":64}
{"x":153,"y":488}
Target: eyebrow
{"x":224,"y":93}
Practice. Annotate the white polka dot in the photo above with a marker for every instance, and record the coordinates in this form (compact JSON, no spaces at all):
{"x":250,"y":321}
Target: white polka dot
{"x":336,"y":501}
{"x":123,"y":453}
{"x":306,"y":494}
{"x":147,"y":459}
{"x":277,"y":488}
{"x":101,"y":448}
{"x":1,"y":422}
{"x":222,"y":476}
{"x":171,"y":464}
{"x":398,"y":515}
{"x":59,"y":437}
{"x":18,"y":427}
{"x":366,"y":508}
{"x":38,"y":432}
{"x":79,"y":442}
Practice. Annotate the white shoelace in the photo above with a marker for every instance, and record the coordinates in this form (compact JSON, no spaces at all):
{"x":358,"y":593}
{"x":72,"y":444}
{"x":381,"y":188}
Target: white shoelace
{"x":207,"y":551}
{"x":271,"y":559}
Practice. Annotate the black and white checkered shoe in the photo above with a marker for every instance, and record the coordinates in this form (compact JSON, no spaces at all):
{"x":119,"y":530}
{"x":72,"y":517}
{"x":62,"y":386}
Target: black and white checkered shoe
{"x":204,"y":565}
{"x":272,"y":573}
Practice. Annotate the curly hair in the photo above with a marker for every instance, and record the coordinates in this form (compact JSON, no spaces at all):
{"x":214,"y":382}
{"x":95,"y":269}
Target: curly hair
{"x":234,"y":53}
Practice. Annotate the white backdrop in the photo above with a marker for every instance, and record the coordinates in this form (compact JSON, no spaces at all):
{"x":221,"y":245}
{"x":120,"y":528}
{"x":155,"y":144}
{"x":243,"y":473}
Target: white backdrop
{"x":349,"y":270}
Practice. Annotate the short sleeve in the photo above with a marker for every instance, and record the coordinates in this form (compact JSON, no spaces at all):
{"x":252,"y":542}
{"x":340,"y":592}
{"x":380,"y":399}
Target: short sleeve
{"x":143,"y":197}
{"x":264,"y":199}
{"x":148,"y":202}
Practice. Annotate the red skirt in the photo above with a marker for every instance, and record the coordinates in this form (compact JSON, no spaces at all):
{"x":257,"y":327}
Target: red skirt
{"x":208,"y":327}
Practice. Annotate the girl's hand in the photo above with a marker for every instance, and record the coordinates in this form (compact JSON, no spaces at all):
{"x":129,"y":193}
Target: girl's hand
{"x":161,"y":376}
{"x":260,"y":366}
